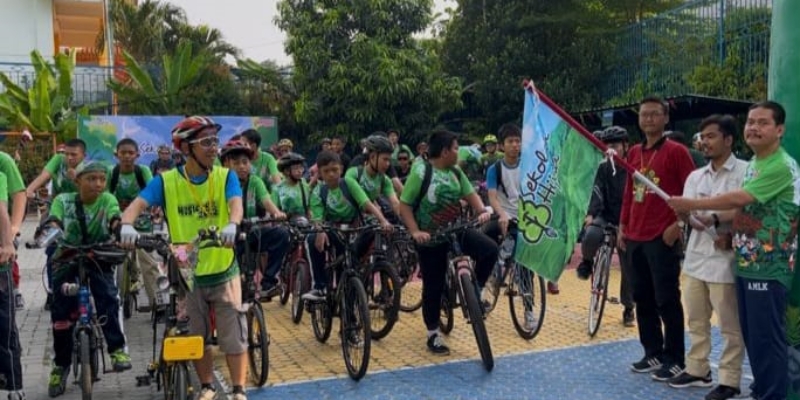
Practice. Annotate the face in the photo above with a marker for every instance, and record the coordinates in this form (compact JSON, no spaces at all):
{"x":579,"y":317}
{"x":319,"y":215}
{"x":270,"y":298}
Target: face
{"x":74,"y":156}
{"x":491,"y":147}
{"x":652,"y":118}
{"x":331,"y":173}
{"x":127,"y":155}
{"x":204,"y":147}
{"x":249,"y":144}
{"x":760,"y":130}
{"x":393,"y":137}
{"x":337,"y":145}
{"x":620,"y":147}
{"x":450,"y":154}
{"x":422,"y":148}
{"x":326,"y":146}
{"x":512,"y":146}
{"x":164,"y":155}
{"x":403,"y":160}
{"x":282,"y":150}
{"x":381,"y":162}
{"x":296,"y":171}
{"x":714,"y":143}
{"x":240,"y":164}
{"x":91,"y":184}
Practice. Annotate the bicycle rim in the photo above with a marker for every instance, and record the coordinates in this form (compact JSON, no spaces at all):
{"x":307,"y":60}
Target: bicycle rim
{"x":527,"y":293}
{"x":355,"y":331}
{"x":179,"y":382}
{"x":299,"y":286}
{"x":473,"y":308}
{"x":284,"y":284}
{"x":597,"y":301}
{"x":446,"y":312}
{"x":257,"y":344}
{"x":407,"y":269}
{"x":383,"y":294}
{"x":86,"y":365}
{"x":321,"y":320}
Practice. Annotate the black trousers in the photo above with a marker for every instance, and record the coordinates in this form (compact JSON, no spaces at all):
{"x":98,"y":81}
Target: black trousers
{"x":10,"y":348}
{"x":655,"y":276}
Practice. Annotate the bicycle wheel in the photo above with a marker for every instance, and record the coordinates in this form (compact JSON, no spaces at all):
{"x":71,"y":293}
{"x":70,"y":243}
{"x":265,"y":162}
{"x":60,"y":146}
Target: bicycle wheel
{"x":321,"y":320}
{"x":597,"y":300}
{"x":86,"y":379}
{"x":492,"y":290}
{"x":283,"y":283}
{"x":527,"y":301}
{"x":124,"y":286}
{"x":407,"y":269}
{"x":178,"y":384}
{"x":300,"y":285}
{"x":446,"y":320}
{"x":257,"y":344}
{"x":475,"y":314}
{"x":355,"y":328}
{"x":384,"y":294}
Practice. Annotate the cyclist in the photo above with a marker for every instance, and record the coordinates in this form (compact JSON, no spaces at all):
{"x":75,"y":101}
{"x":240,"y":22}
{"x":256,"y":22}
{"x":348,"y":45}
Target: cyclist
{"x":198,"y":196}
{"x":283,"y":147}
{"x":16,"y":192}
{"x":339,"y":201}
{"x":469,"y":160}
{"x":371,"y":175}
{"x":10,"y":349}
{"x":60,"y":170}
{"x":502,"y":182}
{"x":492,"y":154}
{"x":86,"y":217}
{"x":604,"y":209}
{"x":293,"y":194}
{"x":422,"y":151}
{"x":403,"y":165}
{"x":270,"y":242}
{"x":423,"y":209}
{"x":164,"y":162}
{"x":394,"y":138}
{"x":264,"y":164}
{"x":125,"y":181}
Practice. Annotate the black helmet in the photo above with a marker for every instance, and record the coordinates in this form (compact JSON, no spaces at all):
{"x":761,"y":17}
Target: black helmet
{"x":613,"y":134}
{"x":378,"y":144}
{"x":289,"y":159}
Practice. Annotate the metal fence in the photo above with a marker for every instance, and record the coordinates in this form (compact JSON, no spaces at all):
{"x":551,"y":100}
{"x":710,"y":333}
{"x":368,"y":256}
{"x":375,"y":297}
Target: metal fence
{"x":664,"y":54}
{"x":89,"y":84}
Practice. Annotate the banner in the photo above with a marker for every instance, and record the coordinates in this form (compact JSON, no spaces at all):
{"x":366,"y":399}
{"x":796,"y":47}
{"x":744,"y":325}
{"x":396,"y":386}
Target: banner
{"x":558,"y":169}
{"x":101,"y":133}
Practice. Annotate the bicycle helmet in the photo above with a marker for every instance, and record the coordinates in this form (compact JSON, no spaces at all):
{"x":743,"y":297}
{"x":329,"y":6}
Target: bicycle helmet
{"x":190,"y":127}
{"x":285,"y":143}
{"x":613,"y":134}
{"x":289,"y":159}
{"x":234,"y":147}
{"x":87,"y":166}
{"x":378,"y":144}
{"x":490,"y":139}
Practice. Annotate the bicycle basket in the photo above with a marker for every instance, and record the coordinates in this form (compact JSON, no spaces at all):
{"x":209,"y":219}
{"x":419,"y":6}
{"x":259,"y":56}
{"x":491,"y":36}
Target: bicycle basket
{"x":183,"y":348}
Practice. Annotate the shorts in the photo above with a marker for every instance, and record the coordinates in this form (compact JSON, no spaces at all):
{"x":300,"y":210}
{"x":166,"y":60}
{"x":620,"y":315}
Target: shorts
{"x":231,"y":324}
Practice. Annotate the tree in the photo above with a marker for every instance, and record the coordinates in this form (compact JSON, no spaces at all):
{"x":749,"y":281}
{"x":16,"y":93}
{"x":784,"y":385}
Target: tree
{"x":146,"y":30}
{"x":357,"y":67}
{"x":207,"y":40}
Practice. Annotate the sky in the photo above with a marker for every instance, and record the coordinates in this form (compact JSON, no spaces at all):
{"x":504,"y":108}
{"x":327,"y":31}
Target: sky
{"x":248,"y":24}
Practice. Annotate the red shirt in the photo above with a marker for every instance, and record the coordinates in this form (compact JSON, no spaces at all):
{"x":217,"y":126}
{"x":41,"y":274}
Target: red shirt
{"x":646,"y":216}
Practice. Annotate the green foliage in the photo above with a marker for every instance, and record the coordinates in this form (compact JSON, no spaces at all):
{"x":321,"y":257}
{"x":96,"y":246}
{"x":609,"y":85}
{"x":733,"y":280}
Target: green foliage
{"x":47,"y":105}
{"x":265,"y":89}
{"x":357,"y":67}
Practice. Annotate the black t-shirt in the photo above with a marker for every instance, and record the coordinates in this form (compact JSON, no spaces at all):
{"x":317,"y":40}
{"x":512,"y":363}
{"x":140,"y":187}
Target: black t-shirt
{"x":345,"y":159}
{"x":402,"y":175}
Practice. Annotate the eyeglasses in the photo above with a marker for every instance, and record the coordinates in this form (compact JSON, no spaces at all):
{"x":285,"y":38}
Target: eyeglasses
{"x":650,"y":115}
{"x":206,"y":142}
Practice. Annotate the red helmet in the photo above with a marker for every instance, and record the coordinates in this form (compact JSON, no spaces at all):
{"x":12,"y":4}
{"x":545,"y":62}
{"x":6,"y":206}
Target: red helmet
{"x":191,"y":126}
{"x":236,"y":147}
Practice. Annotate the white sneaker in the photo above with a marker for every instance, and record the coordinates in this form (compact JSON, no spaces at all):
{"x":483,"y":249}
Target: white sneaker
{"x":239,"y":396}
{"x":18,"y":395}
{"x":207,"y":394}
{"x":314,"y":295}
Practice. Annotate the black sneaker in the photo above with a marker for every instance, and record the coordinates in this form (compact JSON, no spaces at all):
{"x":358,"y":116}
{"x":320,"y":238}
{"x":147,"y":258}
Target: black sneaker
{"x":685,"y":380}
{"x":646,"y":364}
{"x":584,"y":270}
{"x":436,"y":345}
{"x":628,"y":318}
{"x":667,"y":372}
{"x":723,"y":392}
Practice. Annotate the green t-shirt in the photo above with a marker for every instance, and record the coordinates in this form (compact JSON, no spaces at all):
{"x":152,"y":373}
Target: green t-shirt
{"x":57,"y":167}
{"x":440,"y":204}
{"x":765,"y":232}
{"x":372,"y":185}
{"x":3,"y":188}
{"x":127,"y":186}
{"x":9,"y":168}
{"x":337,"y":208}
{"x":98,"y":215}
{"x":488,"y":160}
{"x":256,"y":193}
{"x":289,"y":198}
{"x":265,"y":166}
{"x":470,"y":158}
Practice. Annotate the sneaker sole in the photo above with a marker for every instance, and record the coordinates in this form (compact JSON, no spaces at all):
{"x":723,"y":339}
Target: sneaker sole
{"x":646,"y":370}
{"x":662,"y":379}
{"x":699,"y":383}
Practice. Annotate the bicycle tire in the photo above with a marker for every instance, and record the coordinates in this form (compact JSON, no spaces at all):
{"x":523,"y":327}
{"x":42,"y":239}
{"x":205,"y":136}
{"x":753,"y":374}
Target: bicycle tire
{"x":386,"y":302}
{"x":179,"y":382}
{"x":45,"y":282}
{"x":516,"y":294}
{"x":407,"y":268}
{"x":321,"y":320}
{"x":353,"y":295}
{"x":86,"y":365}
{"x":257,"y":344}
{"x":446,"y":321}
{"x":300,"y":285}
{"x":283,"y":284}
{"x":599,"y":294}
{"x":475,"y":313}
{"x":124,"y":285}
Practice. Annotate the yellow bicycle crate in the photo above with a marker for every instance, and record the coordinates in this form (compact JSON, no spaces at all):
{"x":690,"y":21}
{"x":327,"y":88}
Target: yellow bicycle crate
{"x":183,"y":348}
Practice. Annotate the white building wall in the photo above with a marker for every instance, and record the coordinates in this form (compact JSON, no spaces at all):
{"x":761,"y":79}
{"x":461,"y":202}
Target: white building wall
{"x":25,"y":25}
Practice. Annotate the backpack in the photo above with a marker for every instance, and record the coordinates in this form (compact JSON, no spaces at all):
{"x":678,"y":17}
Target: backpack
{"x":498,"y":172}
{"x":361,"y":173}
{"x":137,"y":170}
{"x":323,"y":194}
{"x":261,"y":212}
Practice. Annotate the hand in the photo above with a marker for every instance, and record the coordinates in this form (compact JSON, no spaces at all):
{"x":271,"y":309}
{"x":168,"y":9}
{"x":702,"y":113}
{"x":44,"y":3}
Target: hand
{"x":321,"y":241}
{"x":724,"y":242}
{"x":588,"y":220}
{"x":421,"y":237}
{"x":7,"y":253}
{"x":279,"y":215}
{"x":680,"y":204}
{"x":387,"y":226}
{"x":128,"y":236}
{"x":503,"y":223}
{"x":228,"y":234}
{"x":14,"y":231}
{"x":671,"y":235}
{"x":30,"y":193}
{"x":621,"y":239}
{"x":701,"y":222}
{"x":484,"y":217}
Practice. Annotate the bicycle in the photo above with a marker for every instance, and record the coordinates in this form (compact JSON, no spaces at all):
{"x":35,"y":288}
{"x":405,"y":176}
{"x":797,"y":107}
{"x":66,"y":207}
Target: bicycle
{"x":128,"y":277}
{"x":295,"y":274}
{"x":170,"y":366}
{"x":383,"y":288}
{"x":257,"y":337}
{"x":346,"y":297}
{"x":600,"y":274}
{"x":521,"y":286}
{"x":461,"y":288}
{"x":88,"y":341}
{"x":406,"y":264}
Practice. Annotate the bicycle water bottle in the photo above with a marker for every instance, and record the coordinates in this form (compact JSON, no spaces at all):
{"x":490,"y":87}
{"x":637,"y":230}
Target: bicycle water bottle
{"x":84,"y":304}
